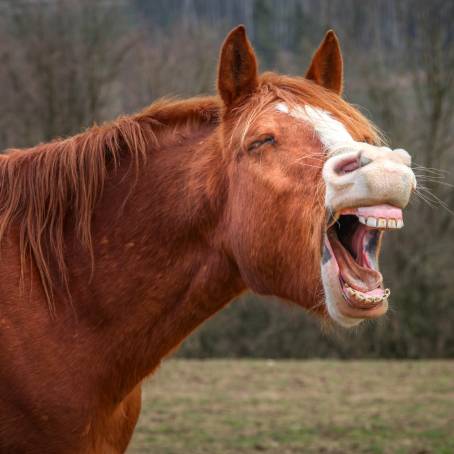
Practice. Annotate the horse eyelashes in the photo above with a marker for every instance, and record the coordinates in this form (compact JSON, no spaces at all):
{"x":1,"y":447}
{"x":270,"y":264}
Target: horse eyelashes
{"x":268,"y":140}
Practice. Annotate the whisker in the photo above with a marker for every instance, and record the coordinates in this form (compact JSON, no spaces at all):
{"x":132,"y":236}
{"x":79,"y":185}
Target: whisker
{"x":424,"y":199}
{"x":431,"y":170}
{"x":434,"y":177}
{"x":435,"y":199}
{"x":310,"y":165}
{"x":441,"y":183}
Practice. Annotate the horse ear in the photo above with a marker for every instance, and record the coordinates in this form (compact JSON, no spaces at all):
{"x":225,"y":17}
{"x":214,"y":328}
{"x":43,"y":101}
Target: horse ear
{"x":326,"y":68}
{"x":237,"y":73}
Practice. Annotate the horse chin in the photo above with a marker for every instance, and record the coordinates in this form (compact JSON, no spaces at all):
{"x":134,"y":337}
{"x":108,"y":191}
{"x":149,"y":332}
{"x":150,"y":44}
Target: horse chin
{"x":353,"y":284}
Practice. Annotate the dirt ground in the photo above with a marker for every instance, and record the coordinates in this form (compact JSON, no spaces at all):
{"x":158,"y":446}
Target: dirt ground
{"x":252,"y":406}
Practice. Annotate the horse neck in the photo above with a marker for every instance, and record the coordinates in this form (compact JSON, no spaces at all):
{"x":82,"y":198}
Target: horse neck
{"x":159,"y":266}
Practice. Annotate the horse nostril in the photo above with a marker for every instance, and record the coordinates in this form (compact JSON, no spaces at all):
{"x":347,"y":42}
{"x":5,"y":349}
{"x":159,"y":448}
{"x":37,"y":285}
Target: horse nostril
{"x":348,"y":166}
{"x":364,"y":160}
{"x":351,"y":164}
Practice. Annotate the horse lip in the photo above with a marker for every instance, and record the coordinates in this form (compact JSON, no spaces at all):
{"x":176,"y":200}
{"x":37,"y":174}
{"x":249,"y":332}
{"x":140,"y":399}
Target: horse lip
{"x":362,"y":312}
{"x":362,"y":307}
{"x":361,"y":211}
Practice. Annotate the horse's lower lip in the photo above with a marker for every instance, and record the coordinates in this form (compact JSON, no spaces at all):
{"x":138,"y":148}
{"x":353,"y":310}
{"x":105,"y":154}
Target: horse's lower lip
{"x":363,"y":301}
{"x":353,"y":257}
{"x":352,"y":311}
{"x":362,"y":307}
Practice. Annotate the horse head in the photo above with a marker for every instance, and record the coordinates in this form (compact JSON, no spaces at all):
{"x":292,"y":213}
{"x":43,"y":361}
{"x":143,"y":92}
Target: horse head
{"x":311,"y":187}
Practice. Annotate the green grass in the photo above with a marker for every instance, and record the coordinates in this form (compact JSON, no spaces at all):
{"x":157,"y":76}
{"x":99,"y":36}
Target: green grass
{"x":253,"y":406}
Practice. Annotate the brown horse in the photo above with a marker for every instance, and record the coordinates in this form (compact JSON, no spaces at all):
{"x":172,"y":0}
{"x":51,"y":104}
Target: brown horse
{"x":120,"y":241}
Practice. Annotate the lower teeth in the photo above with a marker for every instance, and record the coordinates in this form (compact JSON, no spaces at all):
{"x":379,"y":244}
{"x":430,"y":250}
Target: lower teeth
{"x":366,"y":299}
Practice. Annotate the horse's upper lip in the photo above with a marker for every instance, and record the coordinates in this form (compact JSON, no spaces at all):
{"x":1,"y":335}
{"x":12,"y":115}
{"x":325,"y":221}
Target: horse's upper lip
{"x":354,"y":237}
{"x":384,"y":217}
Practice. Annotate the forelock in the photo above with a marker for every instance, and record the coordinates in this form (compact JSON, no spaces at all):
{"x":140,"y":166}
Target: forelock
{"x":334,"y":119}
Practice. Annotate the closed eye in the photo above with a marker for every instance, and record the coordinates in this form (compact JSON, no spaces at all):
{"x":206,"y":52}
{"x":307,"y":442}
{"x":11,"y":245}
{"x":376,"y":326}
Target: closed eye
{"x":266,"y":140}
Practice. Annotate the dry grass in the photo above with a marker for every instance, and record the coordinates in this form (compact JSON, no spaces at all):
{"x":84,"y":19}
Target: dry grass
{"x":249,"y":406}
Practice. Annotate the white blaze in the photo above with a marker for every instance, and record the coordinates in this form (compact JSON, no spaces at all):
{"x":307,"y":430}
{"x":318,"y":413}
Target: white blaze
{"x":331,"y":132}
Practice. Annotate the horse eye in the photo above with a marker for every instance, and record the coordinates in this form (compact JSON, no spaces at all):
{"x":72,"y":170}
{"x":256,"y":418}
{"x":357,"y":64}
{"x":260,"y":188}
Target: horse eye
{"x":267,"y":140}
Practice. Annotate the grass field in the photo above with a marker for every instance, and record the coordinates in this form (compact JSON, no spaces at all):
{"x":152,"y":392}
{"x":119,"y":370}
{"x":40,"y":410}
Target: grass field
{"x":249,"y":406}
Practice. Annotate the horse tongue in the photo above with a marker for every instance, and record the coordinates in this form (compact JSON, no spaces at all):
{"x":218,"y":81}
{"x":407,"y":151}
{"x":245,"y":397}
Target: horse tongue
{"x":359,"y":277}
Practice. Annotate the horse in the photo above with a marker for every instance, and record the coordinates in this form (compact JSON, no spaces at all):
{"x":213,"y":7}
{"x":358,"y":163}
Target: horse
{"x":118,"y":242}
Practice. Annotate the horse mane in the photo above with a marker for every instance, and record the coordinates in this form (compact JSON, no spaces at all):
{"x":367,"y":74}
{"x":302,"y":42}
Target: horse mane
{"x":41,"y":186}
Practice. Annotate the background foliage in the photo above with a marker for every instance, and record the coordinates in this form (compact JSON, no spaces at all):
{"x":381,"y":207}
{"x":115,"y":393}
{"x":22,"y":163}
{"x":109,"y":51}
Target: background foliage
{"x":65,"y":65}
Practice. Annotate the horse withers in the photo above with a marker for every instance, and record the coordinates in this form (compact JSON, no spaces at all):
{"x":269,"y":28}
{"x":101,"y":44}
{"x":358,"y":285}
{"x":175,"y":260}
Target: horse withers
{"x":118,"y":242}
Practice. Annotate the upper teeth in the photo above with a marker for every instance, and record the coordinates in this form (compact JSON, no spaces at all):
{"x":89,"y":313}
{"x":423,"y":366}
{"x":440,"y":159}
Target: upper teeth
{"x":381,"y":223}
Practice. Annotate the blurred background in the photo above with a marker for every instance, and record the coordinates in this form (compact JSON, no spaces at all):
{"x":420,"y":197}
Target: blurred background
{"x":67,"y":64}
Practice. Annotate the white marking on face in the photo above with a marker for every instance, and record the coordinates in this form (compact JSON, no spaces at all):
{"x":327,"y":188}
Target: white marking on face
{"x":331,"y":132}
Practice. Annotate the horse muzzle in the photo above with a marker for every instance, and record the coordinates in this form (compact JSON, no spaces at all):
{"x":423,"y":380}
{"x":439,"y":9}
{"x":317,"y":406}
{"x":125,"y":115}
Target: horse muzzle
{"x":366,"y":189}
{"x":368,"y":176}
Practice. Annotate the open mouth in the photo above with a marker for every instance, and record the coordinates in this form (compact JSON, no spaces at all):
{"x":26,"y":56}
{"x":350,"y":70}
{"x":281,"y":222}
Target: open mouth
{"x":354,"y":239}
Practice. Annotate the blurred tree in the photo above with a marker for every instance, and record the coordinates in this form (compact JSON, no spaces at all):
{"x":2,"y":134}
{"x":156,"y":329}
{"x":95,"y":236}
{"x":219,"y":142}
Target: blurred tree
{"x":62,"y":60}
{"x":264,"y":31}
{"x":177,"y":62}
